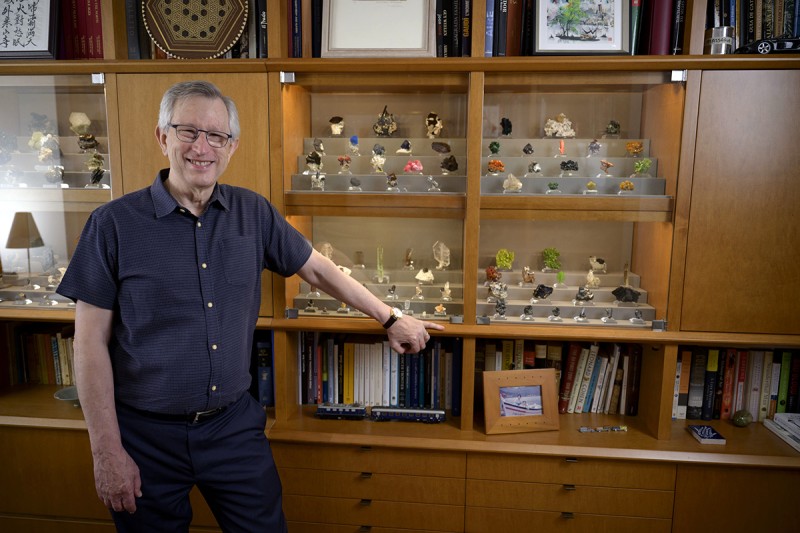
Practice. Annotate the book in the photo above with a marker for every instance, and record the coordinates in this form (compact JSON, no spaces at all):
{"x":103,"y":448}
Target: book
{"x":755,"y":364}
{"x":514,"y":28}
{"x":678,"y":27}
{"x":616,"y":390}
{"x":786,"y":436}
{"x":676,"y":388}
{"x":710,"y":384}
{"x":636,"y":26}
{"x":528,"y":28}
{"x":705,"y":434}
{"x":576,"y":386}
{"x":766,"y":386}
{"x":783,"y":381}
{"x":500,"y":28}
{"x":594,"y":398}
{"x":632,"y":402}
{"x":540,"y":354}
{"x":659,"y":27}
{"x":519,"y":354}
{"x":554,"y":356}
{"x":623,"y":393}
{"x":507,"y":354}
{"x":455,"y":28}
{"x":774,"y":385}
{"x":568,"y":377}
{"x":792,"y":399}
{"x":261,"y":28}
{"x":457,"y":368}
{"x":789,"y":421}
{"x":683,"y":391}
{"x":488,"y":46}
{"x":264,"y":372}
{"x":528,"y":356}
{"x":615,"y":362}
{"x":694,"y":406}
{"x":466,"y":28}
{"x":741,"y":377}
{"x":728,"y":380}
{"x":586,"y":379}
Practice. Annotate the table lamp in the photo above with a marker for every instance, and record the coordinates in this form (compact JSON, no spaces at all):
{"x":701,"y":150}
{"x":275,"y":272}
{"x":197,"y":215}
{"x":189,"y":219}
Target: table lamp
{"x":24,"y":234}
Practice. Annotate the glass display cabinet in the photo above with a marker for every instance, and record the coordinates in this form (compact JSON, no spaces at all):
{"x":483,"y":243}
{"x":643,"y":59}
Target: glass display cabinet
{"x":54,"y":161}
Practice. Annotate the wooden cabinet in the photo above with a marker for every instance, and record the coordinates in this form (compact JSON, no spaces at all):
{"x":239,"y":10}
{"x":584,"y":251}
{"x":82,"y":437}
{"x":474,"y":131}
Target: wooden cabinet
{"x":567,"y":494}
{"x":371,"y":487}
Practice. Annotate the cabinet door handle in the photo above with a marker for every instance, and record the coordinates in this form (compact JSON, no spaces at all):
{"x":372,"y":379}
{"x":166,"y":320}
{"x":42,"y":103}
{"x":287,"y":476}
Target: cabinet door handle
{"x":567,"y":516}
{"x":569,"y":487}
{"x":365,"y":502}
{"x":364,"y":529}
{"x":366,"y":475}
{"x":365,"y":448}
{"x":571,"y":459}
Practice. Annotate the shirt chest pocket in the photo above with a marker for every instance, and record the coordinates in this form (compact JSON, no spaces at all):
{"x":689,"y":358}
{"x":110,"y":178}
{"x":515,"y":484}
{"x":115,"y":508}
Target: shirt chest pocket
{"x":239,"y":260}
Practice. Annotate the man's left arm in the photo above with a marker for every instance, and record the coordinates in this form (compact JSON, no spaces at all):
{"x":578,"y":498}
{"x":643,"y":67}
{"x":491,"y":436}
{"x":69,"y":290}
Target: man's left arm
{"x":407,"y":335}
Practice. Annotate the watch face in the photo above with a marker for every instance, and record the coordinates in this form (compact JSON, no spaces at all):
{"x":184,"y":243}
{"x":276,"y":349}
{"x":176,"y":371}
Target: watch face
{"x":397,"y":313}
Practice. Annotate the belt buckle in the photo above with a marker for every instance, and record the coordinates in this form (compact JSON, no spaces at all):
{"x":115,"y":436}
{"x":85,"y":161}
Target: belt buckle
{"x":200,"y":414}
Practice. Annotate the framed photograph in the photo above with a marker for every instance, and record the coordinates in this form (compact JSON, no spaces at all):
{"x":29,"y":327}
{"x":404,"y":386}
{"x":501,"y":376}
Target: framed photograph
{"x":582,"y":27}
{"x":379,"y":28}
{"x":28,"y":29}
{"x":518,"y":401}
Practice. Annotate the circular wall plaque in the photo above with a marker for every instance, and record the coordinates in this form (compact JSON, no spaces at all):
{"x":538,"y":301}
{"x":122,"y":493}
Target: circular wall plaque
{"x":195,"y":29}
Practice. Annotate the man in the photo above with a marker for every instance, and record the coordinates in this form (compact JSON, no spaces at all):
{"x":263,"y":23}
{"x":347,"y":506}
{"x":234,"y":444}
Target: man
{"x":167,"y":284}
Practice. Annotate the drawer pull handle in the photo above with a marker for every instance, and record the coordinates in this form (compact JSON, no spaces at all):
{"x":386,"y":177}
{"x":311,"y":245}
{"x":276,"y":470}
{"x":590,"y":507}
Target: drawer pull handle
{"x":365,"y":448}
{"x":366,"y":475}
{"x":364,"y":529}
{"x":569,"y":487}
{"x":567,"y":516}
{"x":571,"y":459}
{"x":365,"y":502}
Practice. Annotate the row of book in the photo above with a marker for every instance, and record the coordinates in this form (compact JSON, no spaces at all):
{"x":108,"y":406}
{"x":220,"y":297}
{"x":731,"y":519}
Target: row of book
{"x":591,"y":377}
{"x":714,"y":383}
{"x":81,"y":30}
{"x":364,"y":370}
{"x":787,"y":427}
{"x":755,"y":19}
{"x":42,"y":355}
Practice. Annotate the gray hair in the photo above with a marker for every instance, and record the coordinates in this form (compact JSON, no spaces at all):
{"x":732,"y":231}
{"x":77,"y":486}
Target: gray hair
{"x":188,"y":89}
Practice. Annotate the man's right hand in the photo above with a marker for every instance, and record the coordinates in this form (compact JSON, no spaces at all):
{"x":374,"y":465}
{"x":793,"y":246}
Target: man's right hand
{"x":116,"y":478}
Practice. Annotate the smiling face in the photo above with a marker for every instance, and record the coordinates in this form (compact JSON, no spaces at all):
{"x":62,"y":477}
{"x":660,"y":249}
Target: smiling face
{"x":196,"y":166}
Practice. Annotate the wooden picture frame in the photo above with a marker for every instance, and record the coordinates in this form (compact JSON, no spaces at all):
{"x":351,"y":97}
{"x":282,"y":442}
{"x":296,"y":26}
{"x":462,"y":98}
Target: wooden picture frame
{"x":29,"y":34}
{"x":519,"y":401}
{"x":387,"y":28}
{"x":582,"y":27}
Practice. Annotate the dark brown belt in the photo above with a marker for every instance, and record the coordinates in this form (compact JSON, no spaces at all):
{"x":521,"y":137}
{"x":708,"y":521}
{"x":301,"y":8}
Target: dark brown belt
{"x":192,"y":418}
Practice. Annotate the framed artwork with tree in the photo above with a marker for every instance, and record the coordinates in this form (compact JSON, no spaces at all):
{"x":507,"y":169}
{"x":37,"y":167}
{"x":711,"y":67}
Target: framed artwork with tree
{"x":582,"y":27}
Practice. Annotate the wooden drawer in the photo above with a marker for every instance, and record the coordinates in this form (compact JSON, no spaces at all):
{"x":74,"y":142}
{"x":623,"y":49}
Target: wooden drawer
{"x":574,"y":471}
{"x":570,"y":498}
{"x":369,"y":459}
{"x":373,"y":513}
{"x":313,"y":527}
{"x":363,"y":485}
{"x":483,"y":520}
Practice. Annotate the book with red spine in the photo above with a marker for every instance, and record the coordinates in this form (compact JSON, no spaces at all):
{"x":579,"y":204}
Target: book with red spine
{"x":728,"y":384}
{"x":568,"y":378}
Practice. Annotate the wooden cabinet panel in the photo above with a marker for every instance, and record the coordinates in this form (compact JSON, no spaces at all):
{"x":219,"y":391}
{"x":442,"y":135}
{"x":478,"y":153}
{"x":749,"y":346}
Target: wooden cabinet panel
{"x":374,"y":513}
{"x":569,"y":498}
{"x":711,"y":498}
{"x":313,"y":527}
{"x":482,"y":519}
{"x":560,"y":470}
{"x":368,"y":459}
{"x":744,"y":227}
{"x":389,"y":487}
{"x":41,"y":525}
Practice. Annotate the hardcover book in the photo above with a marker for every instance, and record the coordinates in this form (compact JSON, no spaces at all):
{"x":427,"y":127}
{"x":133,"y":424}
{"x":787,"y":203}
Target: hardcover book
{"x":706,"y":434}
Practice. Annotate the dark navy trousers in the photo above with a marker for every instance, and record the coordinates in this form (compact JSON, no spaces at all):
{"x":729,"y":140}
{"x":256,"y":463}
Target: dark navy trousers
{"x":227,"y":457}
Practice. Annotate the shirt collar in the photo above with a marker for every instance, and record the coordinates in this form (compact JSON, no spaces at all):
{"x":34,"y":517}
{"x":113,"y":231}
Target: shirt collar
{"x":164,"y":203}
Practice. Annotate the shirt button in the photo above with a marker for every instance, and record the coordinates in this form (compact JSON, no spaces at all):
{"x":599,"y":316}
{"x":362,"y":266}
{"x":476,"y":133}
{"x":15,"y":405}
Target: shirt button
{"x":199,"y":224}
{"x":210,"y":304}
{"x":213,"y":346}
{"x":204,"y":265}
{"x":213,"y":387}
{"x":183,"y":210}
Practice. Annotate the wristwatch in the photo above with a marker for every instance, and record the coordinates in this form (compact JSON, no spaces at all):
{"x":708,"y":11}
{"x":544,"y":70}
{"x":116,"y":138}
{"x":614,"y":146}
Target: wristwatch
{"x":395,"y":314}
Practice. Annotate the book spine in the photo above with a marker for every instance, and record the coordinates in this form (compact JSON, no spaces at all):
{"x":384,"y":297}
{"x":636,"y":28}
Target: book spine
{"x":131,"y":29}
{"x":587,"y":378}
{"x":616,"y":391}
{"x":766,"y":386}
{"x":568,"y":381}
{"x":457,"y":382}
{"x":710,"y":384}
{"x":488,"y":47}
{"x":632,"y":403}
{"x":661,"y":17}
{"x":528,"y":356}
{"x":594,"y":387}
{"x":774,"y":386}
{"x":694,"y":407}
{"x":683,"y":392}
{"x":519,"y":354}
{"x":439,"y":29}
{"x":615,"y":360}
{"x":678,"y":27}
{"x":455,"y":28}
{"x":466,"y":28}
{"x":576,"y":386}
{"x":554,"y":356}
{"x":514,"y":28}
{"x":792,"y":399}
{"x":97,"y":29}
{"x":783,"y":381}
{"x":636,"y":26}
{"x":507,"y":354}
{"x":500,"y":28}
{"x":753,"y":383}
{"x":729,"y":378}
{"x":741,"y":379}
{"x":676,"y":389}
{"x":446,"y":21}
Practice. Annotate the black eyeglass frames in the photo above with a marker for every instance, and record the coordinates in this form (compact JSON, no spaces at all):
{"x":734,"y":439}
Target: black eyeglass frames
{"x":189,"y":134}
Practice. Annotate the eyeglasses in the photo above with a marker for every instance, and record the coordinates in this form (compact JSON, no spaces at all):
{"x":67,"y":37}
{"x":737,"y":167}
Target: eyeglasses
{"x":189,"y":134}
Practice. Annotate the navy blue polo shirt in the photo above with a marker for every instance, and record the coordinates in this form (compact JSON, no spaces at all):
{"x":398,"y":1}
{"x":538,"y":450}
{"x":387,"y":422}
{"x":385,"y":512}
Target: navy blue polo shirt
{"x":185,"y":291}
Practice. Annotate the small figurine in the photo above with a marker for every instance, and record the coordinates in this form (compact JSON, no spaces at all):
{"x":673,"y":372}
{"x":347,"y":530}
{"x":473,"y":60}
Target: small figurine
{"x":591,"y":188}
{"x":313,"y":162}
{"x":527,"y":313}
{"x":337,"y":125}
{"x":440,"y":147}
{"x":441,"y":254}
{"x":528,"y":277}
{"x":424,"y":276}
{"x":584,"y":295}
{"x":413,"y":166}
{"x":511,"y":184}
{"x":561,"y":149}
{"x":408,"y":262}
{"x":55,"y":174}
{"x":560,"y":280}
{"x":433,"y":185}
{"x":581,"y":317}
{"x":555,"y":315}
{"x":561,"y":126}
{"x":592,"y":281}
{"x":598,"y":264}
{"x":604,"y":166}
{"x":640,"y":168}
{"x":405,"y":147}
{"x":343,"y":308}
{"x":440,"y":310}
{"x":318,"y":147}
{"x":492,"y":275}
{"x":550,"y":257}
{"x":391,"y":182}
{"x":310,"y":307}
{"x":418,"y":293}
{"x":378,"y":158}
{"x":533,"y":168}
{"x":500,"y":293}
{"x":505,"y":126}
{"x":386,"y":124}
{"x":318,"y":182}
{"x":552,"y":188}
{"x":495,"y":166}
{"x":528,"y":149}
{"x":625,"y":294}
{"x":352,"y":147}
{"x":612,"y":129}
{"x":541,"y":292}
{"x":626,"y":187}
{"x":80,"y":124}
{"x":594,"y":148}
{"x":609,"y":318}
{"x":355,"y":184}
{"x":391,"y":294}
{"x":433,"y":125}
{"x":95,"y":166}
{"x":494,"y":147}
{"x":637,"y":317}
{"x":504,"y":259}
{"x":449,"y":164}
{"x":446,"y":297}
{"x":634,"y":148}
{"x":344,"y":164}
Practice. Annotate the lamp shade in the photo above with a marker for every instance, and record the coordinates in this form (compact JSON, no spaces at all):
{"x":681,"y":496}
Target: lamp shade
{"x":24,"y":232}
